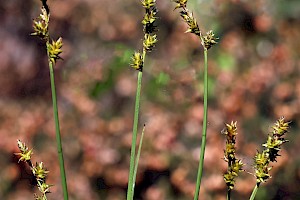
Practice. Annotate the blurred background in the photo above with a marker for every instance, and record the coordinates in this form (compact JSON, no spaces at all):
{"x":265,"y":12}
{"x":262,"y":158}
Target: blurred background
{"x":253,"y":79}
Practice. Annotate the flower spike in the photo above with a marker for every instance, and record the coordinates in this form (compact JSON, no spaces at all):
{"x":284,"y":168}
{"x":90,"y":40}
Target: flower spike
{"x":273,"y":146}
{"x":137,"y":61}
{"x":234,"y":165}
{"x":54,"y":50}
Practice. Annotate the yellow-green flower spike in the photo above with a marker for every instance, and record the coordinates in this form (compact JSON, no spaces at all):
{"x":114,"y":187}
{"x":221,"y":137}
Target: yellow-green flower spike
{"x":40,"y":197}
{"x":22,"y":146}
{"x":263,"y":174}
{"x":40,"y":25}
{"x":209,"y":39}
{"x":43,"y":187}
{"x":231,"y":129}
{"x":229,"y":179}
{"x":54,"y":49}
{"x":137,"y":61}
{"x":237,"y":167}
{"x":280,"y":127}
{"x":39,"y":171}
{"x":273,"y":143}
{"x":149,"y":41}
{"x":149,"y":18}
{"x":234,"y":165}
{"x":275,"y":139}
{"x":230,"y":150}
{"x":25,"y":154}
{"x":148,"y":4}
{"x":191,"y":22}
{"x":180,"y":4}
{"x":262,"y":159}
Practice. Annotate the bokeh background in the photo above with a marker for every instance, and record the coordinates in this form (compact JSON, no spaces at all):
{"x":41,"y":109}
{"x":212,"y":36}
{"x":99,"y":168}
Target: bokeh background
{"x":253,"y":77}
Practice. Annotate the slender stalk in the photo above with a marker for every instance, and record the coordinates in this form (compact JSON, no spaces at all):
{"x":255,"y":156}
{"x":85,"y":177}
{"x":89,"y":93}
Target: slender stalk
{"x":138,"y":60}
{"x":254,"y":191}
{"x":130,"y":191}
{"x":57,"y":130}
{"x":228,"y":188}
{"x":228,"y":194}
{"x":138,"y":157}
{"x":204,"y":128}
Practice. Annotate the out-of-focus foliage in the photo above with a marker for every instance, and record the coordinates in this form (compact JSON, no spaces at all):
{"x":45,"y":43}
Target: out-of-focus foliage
{"x":253,"y":76}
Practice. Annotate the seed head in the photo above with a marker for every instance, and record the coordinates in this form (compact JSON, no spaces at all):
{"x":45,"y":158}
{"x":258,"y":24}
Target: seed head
{"x":209,"y":39}
{"x":191,"y":22}
{"x":25,"y":154}
{"x":41,"y":24}
{"x":149,"y":41}
{"x":180,"y":4}
{"x":54,"y":49}
{"x":137,"y":61}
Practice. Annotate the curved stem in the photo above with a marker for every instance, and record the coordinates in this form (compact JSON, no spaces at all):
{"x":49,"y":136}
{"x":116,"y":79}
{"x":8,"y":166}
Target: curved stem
{"x":138,"y":155}
{"x":204,"y":129}
{"x":254,"y":192}
{"x":57,"y":130}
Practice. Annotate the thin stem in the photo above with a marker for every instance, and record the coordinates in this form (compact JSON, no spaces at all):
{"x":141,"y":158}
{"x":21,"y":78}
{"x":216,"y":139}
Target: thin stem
{"x":130,"y":191}
{"x":138,"y":156}
{"x":57,"y":130}
{"x":204,"y":128}
{"x":254,"y":191}
{"x":228,"y":194}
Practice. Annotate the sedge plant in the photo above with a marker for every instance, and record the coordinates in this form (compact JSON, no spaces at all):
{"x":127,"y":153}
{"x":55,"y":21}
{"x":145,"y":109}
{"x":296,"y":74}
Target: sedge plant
{"x":207,"y":41}
{"x":234,"y":165}
{"x":38,"y":171}
{"x":138,"y":60}
{"x":53,"y":47}
{"x":263,"y":159}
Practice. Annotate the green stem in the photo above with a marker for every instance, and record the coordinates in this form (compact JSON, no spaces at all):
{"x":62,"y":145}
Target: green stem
{"x":204,"y":128}
{"x":138,"y":156}
{"x":228,"y":194}
{"x":130,"y":191}
{"x":57,"y":130}
{"x":254,"y":191}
